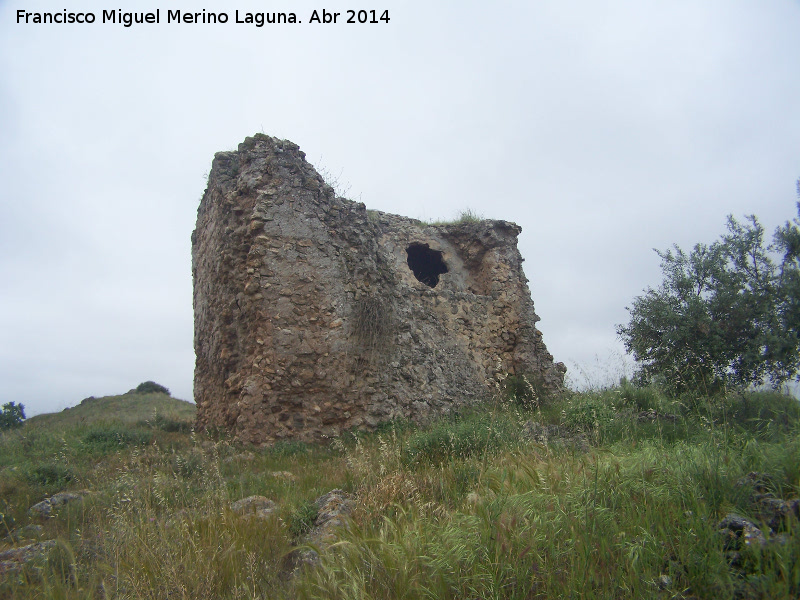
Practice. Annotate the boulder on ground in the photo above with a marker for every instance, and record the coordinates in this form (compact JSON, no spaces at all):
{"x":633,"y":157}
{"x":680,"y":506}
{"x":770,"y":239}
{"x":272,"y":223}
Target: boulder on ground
{"x":334,"y":509}
{"x":13,"y":561}
{"x":259,"y":507}
{"x":46,"y":507}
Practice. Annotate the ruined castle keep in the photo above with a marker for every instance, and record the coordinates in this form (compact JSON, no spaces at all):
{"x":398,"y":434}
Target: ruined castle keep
{"x":313,"y":315}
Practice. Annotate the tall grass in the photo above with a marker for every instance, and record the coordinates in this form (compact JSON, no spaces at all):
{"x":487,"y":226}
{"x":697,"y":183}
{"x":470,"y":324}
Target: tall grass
{"x":471,"y":506}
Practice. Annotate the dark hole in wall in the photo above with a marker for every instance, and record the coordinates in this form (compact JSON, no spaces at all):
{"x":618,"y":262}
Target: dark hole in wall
{"x":426,"y":264}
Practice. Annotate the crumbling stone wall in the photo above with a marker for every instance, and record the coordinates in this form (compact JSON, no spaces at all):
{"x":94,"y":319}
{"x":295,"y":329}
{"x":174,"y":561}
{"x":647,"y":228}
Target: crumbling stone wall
{"x":314,"y":315}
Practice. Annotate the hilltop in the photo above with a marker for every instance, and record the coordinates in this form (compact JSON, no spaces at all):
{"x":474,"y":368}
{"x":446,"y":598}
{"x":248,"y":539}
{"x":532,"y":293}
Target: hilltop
{"x":126,"y":408}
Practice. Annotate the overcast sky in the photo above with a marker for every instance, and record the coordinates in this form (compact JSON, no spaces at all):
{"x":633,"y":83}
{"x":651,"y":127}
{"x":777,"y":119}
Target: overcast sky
{"x":605,"y":129}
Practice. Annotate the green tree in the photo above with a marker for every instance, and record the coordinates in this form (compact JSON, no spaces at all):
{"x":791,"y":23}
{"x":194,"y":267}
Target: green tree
{"x":12,"y":415}
{"x":151,"y":387}
{"x":785,"y":353}
{"x":726,"y":314}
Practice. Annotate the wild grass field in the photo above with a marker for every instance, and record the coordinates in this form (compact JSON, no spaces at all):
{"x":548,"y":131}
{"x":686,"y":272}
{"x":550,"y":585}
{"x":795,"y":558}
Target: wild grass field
{"x":616,"y":493}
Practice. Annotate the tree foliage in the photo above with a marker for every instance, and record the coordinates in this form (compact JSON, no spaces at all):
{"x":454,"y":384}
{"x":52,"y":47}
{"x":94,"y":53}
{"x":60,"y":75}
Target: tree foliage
{"x":726,"y":314}
{"x":151,"y":387}
{"x":12,"y":415}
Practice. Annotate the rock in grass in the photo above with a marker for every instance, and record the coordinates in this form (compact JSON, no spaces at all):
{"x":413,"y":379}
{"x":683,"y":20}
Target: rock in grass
{"x":334,"y":509}
{"x":13,"y":561}
{"x":554,"y":435}
{"x":770,"y":509}
{"x":259,"y":507}
{"x":739,"y":531}
{"x":651,"y":416}
{"x":243,"y":457}
{"x":287,"y":475}
{"x":775,"y":512}
{"x":46,"y":507}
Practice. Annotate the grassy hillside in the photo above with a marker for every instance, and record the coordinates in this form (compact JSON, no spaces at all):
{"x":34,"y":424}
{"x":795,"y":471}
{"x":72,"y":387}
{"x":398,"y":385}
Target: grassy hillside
{"x":128,"y":409}
{"x":621,"y":493}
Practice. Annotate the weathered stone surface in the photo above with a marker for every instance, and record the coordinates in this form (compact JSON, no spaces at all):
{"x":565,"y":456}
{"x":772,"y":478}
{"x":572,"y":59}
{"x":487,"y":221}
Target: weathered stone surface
{"x":254,"y":506}
{"x":650,"y":416}
{"x":46,"y":507}
{"x":776,"y":512}
{"x":242,"y":457}
{"x":554,"y":436}
{"x":14,"y":560}
{"x":739,"y":531}
{"x":314,"y":315}
{"x":334,"y":510}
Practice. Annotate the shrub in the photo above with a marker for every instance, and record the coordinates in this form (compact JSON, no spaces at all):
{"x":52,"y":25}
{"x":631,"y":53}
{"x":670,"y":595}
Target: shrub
{"x":12,"y":415}
{"x":463,"y":217}
{"x":527,"y":390}
{"x":461,"y":437}
{"x":61,"y":567}
{"x":51,"y":475}
{"x":640,"y":398}
{"x":7,"y":523}
{"x":519,"y":390}
{"x":290,"y":448}
{"x":465,"y":476}
{"x":394,"y":426}
{"x":468,"y":216}
{"x":151,"y":387}
{"x":302,"y":519}
{"x":589,"y":411}
{"x":108,"y":439}
{"x":168,"y":424}
{"x":188,"y":465}
{"x":761,"y":412}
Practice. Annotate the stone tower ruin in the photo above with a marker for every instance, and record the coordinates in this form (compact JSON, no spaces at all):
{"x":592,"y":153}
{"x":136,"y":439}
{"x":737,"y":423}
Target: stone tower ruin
{"x":313,"y":315}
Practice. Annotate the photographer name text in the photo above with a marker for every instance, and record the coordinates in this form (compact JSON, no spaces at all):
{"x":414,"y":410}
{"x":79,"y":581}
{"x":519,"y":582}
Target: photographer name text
{"x":204,"y":17}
